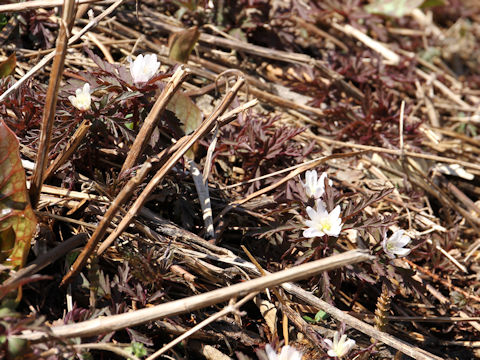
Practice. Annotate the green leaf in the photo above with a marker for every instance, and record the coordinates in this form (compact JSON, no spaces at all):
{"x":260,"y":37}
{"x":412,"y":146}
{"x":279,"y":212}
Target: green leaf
{"x":7,"y":242}
{"x":126,"y":95}
{"x":71,"y":257}
{"x":430,"y":53}
{"x":137,"y":349}
{"x":104,"y":101}
{"x":394,"y":8}
{"x":8,"y":66}
{"x":15,"y":210}
{"x":17,"y":348}
{"x":3,"y":20}
{"x":187,"y":112}
{"x":86,"y":355}
{"x":432,"y":3}
{"x":308,"y":319}
{"x":321,"y":316}
{"x":238,"y":34}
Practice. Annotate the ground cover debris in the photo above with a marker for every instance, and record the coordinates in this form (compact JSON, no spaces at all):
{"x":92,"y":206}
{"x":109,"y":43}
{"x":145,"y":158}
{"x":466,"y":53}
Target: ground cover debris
{"x":239,"y":179}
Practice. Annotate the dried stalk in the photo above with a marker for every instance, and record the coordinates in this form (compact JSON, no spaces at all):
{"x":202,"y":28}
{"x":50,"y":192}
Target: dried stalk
{"x":72,"y":145}
{"x":275,"y":291}
{"x":46,"y":259}
{"x":51,"y":100}
{"x":121,"y":198}
{"x":181,"y":306}
{"x":29,"y":5}
{"x":227,"y":310}
{"x":375,"y":45}
{"x":145,"y":132}
{"x":181,"y":147}
{"x":381,"y":150}
{"x":445,"y":282}
{"x":312,"y":28}
{"x":352,"y":321}
{"x":112,"y":347}
{"x":203,"y":195}
{"x":265,"y":52}
{"x":50,"y":56}
{"x":297,"y":171}
{"x":265,"y":96}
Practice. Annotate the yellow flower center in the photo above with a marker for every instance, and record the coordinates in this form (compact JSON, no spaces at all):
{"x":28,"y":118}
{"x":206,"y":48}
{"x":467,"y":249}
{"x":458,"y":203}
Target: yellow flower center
{"x":324,"y":225}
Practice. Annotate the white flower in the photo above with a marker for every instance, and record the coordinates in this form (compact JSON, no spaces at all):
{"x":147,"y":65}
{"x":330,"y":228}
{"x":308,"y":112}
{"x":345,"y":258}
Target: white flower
{"x":82,"y":99}
{"x":339,"y":348}
{"x":314,"y":186}
{"x":143,"y":68}
{"x":322,"y":222}
{"x":395,"y":244}
{"x":287,"y":353}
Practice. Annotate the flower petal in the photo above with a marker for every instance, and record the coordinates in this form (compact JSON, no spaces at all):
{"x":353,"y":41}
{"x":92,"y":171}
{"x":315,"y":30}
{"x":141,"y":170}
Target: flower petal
{"x":290,"y":353}
{"x":404,"y":240}
{"x":402,"y":252}
{"x":336,"y":212}
{"x":320,"y":208}
{"x":389,"y":254}
{"x":312,"y":232}
{"x":312,"y":213}
{"x":349,"y":345}
{"x":397,"y":235}
{"x":272,"y":355}
{"x":331,"y":353}
{"x":310,"y":176}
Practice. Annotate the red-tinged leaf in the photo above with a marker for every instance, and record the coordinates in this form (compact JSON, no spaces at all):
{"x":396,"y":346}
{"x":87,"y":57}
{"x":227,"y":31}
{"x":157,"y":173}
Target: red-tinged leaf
{"x":8,"y":66}
{"x":187,"y":112}
{"x":17,"y":219}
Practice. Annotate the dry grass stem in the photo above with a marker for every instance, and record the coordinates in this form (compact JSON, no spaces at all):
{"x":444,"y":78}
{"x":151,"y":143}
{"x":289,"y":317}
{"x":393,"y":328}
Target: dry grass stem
{"x":101,"y":229}
{"x":151,"y":120}
{"x":225,"y":311}
{"x":182,"y":146}
{"x":385,"y":338}
{"x":120,"y":321}
{"x":362,"y":134}
{"x":72,"y":145}
{"x":29,"y":5}
{"x":50,"y":56}
{"x":51,"y":101}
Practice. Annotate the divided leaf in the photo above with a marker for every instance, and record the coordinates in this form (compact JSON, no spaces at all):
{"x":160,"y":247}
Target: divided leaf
{"x":17,"y":220}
